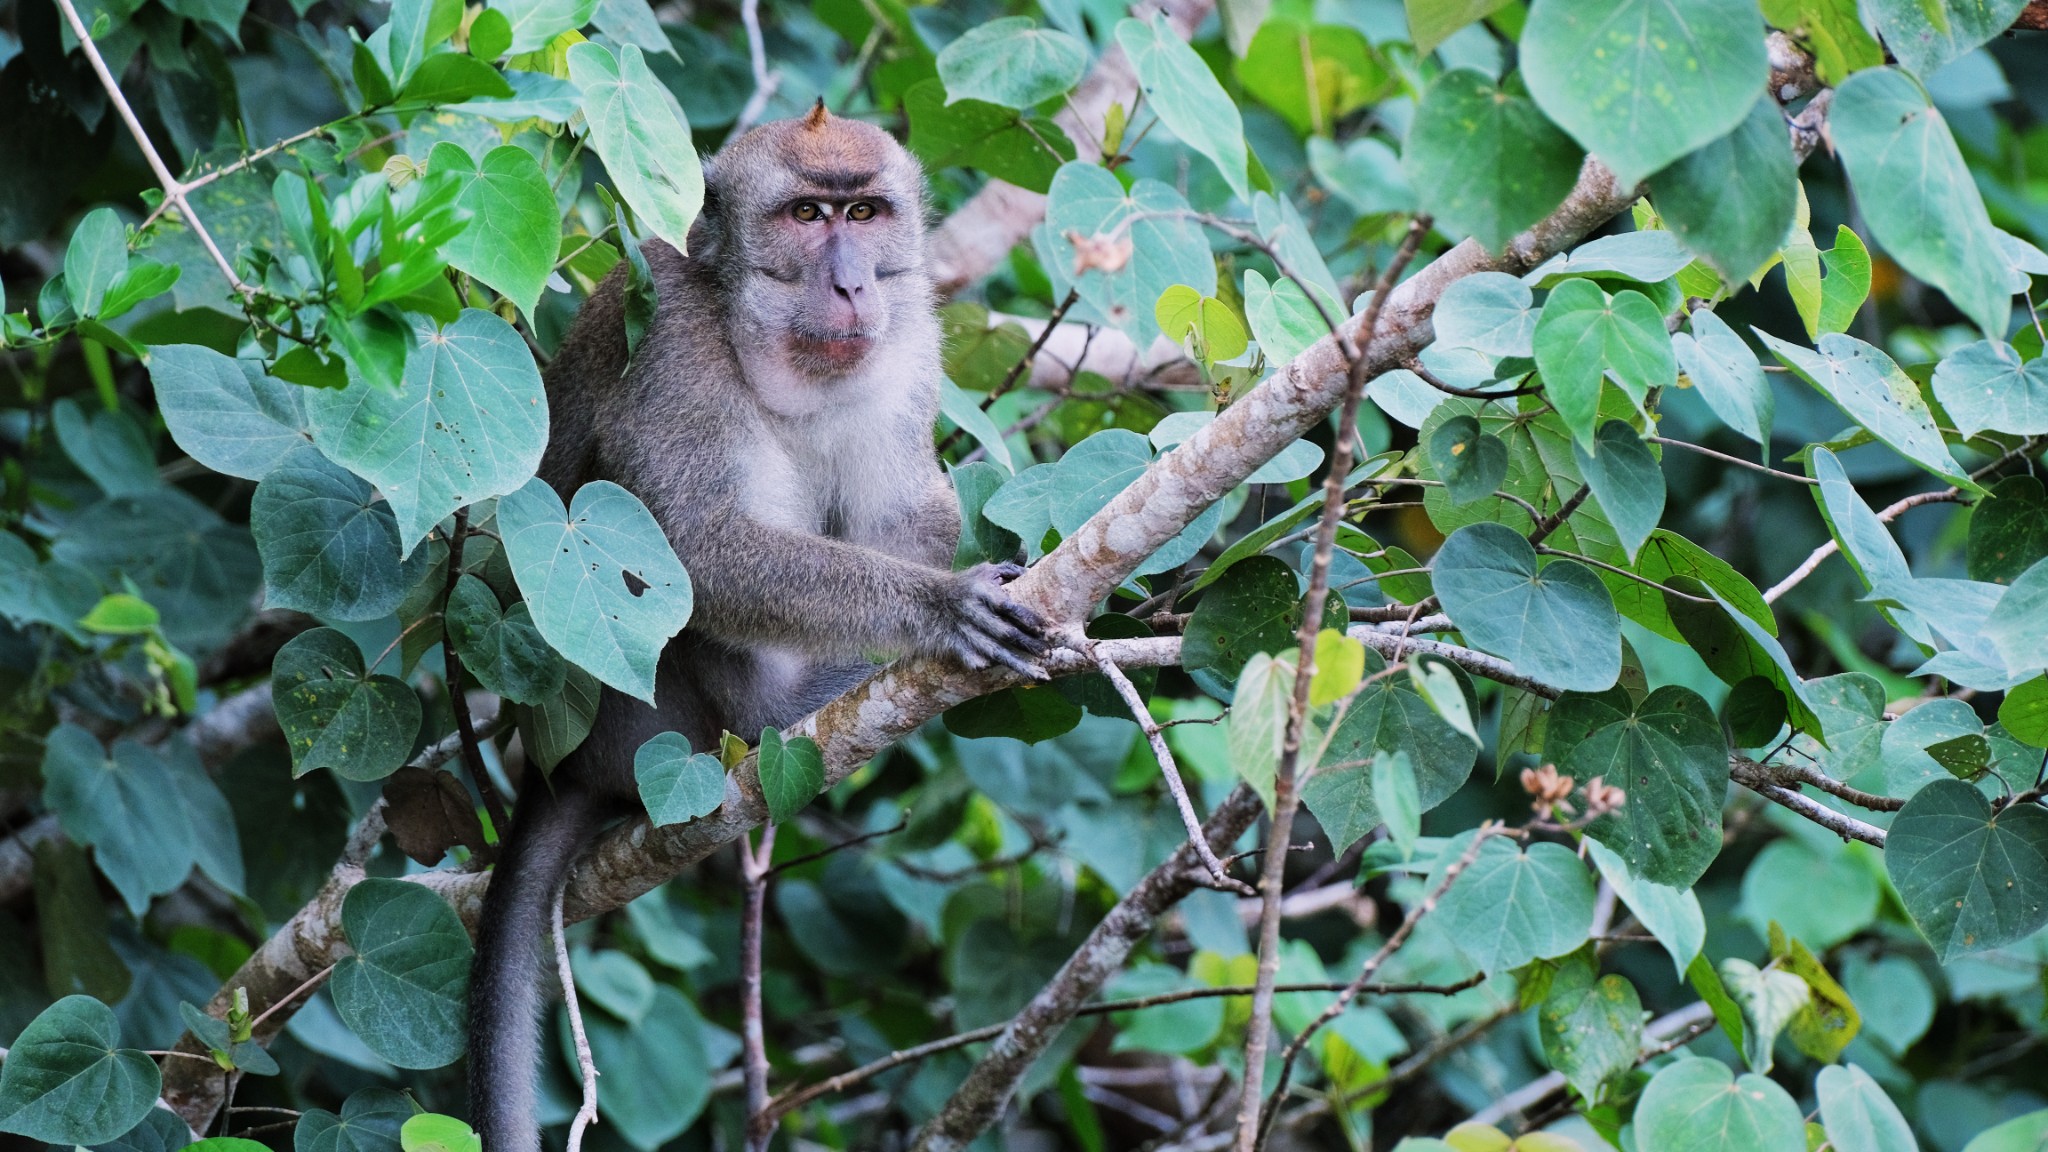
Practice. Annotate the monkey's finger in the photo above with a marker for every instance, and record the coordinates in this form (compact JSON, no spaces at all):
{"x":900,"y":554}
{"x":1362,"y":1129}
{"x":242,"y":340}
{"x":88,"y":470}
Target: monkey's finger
{"x":986,"y":618}
{"x":1003,"y":605}
{"x":992,"y":646}
{"x":1006,"y":571}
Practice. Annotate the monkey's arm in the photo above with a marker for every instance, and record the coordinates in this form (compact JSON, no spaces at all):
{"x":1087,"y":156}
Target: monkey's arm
{"x":755,"y":583}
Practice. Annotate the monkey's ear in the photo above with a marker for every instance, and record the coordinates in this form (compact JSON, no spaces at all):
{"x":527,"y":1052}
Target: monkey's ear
{"x":818,"y":115}
{"x":707,"y":233}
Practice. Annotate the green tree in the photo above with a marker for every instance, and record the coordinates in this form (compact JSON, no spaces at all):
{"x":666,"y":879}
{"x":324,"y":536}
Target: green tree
{"x":1608,"y":704}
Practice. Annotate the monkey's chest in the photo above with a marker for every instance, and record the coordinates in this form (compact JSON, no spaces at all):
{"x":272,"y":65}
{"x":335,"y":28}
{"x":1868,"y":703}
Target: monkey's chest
{"x":833,"y":489}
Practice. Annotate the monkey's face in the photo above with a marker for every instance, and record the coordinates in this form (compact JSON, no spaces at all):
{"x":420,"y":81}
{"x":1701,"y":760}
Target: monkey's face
{"x":829,"y":219}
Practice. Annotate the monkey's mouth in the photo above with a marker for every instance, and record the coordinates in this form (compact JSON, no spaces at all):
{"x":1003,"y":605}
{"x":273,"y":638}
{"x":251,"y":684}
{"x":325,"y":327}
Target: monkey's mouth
{"x":836,"y":349}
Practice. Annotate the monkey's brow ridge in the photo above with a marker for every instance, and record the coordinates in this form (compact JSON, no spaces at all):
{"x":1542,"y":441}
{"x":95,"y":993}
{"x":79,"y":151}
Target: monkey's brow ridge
{"x":837,"y":180}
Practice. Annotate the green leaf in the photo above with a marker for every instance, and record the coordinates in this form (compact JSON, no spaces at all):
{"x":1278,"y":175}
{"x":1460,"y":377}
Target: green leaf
{"x":1166,"y":248}
{"x":1697,"y":1105}
{"x":1590,"y":1029}
{"x":1627,"y":481}
{"x":1557,"y":624}
{"x":1907,"y":743}
{"x":502,"y":649}
{"x":1093,"y":472}
{"x":1179,"y":1028}
{"x":2024,"y":712}
{"x":2018,"y":625}
{"x":1985,"y":386}
{"x":1011,"y":62}
{"x":67,"y":1080}
{"x":121,"y":615}
{"x":558,"y":725}
{"x":1668,"y":754}
{"x":1489,"y":312}
{"x":1769,"y":999}
{"x":1441,"y":689}
{"x":514,"y":229}
{"x":469,"y":421}
{"x":535,"y":22}
{"x":124,"y":807}
{"x":1258,"y":721}
{"x":245,"y":1056}
{"x":1388,"y":717}
{"x":1184,"y":315}
{"x":792,"y":772}
{"x":1471,"y":463}
{"x":369,"y":1122}
{"x":107,"y":446}
{"x":1431,"y":22}
{"x":95,"y":258}
{"x":197,"y":569}
{"x":329,"y":547}
{"x":1847,"y":284}
{"x":1510,"y":906}
{"x":1187,"y":97}
{"x":613,"y":980}
{"x":1364,"y":173}
{"x":1312,"y":74}
{"x":226,"y":413}
{"x":966,"y":413}
{"x":404,"y":990}
{"x":337,"y":716}
{"x":1915,"y":190}
{"x":490,"y":35}
{"x":1926,"y":34}
{"x":1725,"y":370}
{"x":658,"y":1073}
{"x":1640,"y":83}
{"x":451,"y":78}
{"x":1255,"y":607}
{"x":605,"y":553}
{"x":1340,"y":665}
{"x":1586,"y":337}
{"x":1400,"y":804}
{"x":1734,"y":225}
{"x":1646,"y":257}
{"x":645,"y":145}
{"x":677,"y":785}
{"x":1672,"y":915}
{"x":427,"y":1132}
{"x":1486,"y":163}
{"x":1857,"y":1114}
{"x":1871,"y":390}
{"x":1895,"y":998}
{"x":161,"y":1130}
{"x":1283,"y":320}
{"x":1003,"y":142}
{"x":1971,"y":879}
{"x":1779,"y":884}
{"x":2023,"y":1134}
{"x":2010,"y":529}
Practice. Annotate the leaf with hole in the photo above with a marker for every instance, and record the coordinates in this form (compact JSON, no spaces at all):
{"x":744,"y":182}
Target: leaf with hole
{"x":603,"y":583}
{"x":1667,"y":753}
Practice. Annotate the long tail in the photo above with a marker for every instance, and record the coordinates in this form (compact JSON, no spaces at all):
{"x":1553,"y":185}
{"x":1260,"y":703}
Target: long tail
{"x":548,"y":833}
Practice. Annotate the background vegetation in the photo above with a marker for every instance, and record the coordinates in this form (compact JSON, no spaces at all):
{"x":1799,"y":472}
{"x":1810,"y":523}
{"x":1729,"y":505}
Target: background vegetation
{"x":1644,"y":673}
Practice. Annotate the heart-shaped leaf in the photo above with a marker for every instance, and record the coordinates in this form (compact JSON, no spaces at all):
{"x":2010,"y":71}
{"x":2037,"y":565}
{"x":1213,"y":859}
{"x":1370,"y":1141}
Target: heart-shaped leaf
{"x":329,"y":547}
{"x":1972,"y":879}
{"x":405,"y":989}
{"x":502,"y":648}
{"x":335,"y":715}
{"x":1485,"y":162}
{"x":1586,"y":337}
{"x":1667,"y":753}
{"x":1557,"y":624}
{"x":676,"y":784}
{"x":1511,"y":906}
{"x":1698,"y":1105}
{"x":67,"y":1080}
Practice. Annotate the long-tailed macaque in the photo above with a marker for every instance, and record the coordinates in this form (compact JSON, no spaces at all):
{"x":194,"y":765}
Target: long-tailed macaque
{"x":777,"y":421}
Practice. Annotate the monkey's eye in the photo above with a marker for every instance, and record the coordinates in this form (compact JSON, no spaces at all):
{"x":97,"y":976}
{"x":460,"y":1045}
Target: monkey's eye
{"x":810,"y":211}
{"x":860,"y":210}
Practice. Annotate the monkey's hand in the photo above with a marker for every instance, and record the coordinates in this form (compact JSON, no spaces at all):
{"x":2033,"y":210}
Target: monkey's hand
{"x":984,"y":626}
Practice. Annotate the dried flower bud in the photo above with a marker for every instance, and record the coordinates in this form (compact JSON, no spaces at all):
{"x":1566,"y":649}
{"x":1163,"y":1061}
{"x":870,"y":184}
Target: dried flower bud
{"x":1603,"y":797}
{"x":1107,"y":254}
{"x":1548,"y":791}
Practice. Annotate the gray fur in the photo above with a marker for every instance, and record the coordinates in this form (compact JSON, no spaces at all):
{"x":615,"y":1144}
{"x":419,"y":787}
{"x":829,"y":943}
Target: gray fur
{"x":777,"y":422}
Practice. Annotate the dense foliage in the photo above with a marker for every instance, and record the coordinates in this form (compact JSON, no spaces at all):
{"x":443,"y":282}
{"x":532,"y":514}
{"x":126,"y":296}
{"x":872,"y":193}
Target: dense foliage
{"x":1667,"y":732}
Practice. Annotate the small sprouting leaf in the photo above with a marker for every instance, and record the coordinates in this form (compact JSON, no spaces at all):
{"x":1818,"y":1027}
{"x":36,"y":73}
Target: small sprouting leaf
{"x":1586,"y":337}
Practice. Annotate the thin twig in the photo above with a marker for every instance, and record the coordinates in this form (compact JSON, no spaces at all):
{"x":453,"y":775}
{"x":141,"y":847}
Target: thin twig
{"x":458,"y":701}
{"x":1890,"y":513}
{"x":790,"y":1101}
{"x":1758,"y":779}
{"x":173,"y":190}
{"x":205,"y":178}
{"x":1368,"y":970}
{"x":1272,"y":876}
{"x":1551,"y":523}
{"x":755,"y":870}
{"x":1738,"y":461}
{"x":765,"y":82}
{"x":1430,"y":378}
{"x":1018,"y":369}
{"x":1167,"y":767}
{"x":843,"y":845}
{"x":586,"y":1115}
{"x":311,"y":983}
{"x":1808,"y":774}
